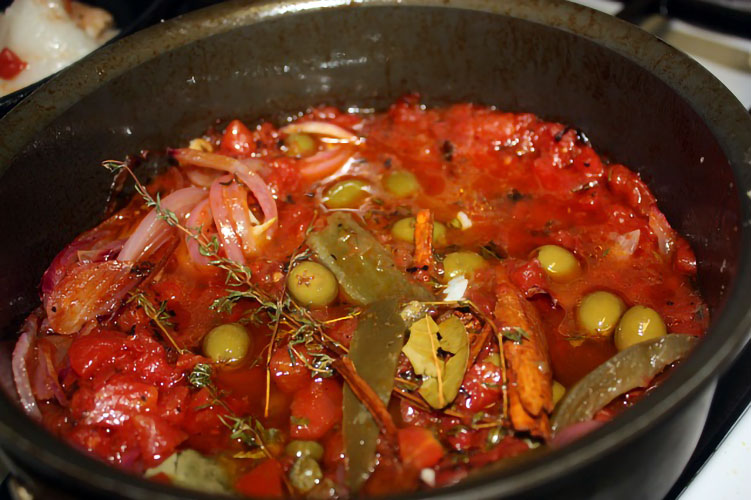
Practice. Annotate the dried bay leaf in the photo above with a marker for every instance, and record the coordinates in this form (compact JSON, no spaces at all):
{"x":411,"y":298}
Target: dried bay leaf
{"x":441,"y":378}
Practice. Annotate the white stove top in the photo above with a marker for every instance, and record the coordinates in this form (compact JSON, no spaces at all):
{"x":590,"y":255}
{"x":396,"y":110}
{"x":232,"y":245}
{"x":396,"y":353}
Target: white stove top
{"x":725,"y":475}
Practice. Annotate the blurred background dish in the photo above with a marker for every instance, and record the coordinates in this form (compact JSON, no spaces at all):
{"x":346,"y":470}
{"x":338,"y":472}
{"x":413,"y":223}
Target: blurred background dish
{"x":40,"y":37}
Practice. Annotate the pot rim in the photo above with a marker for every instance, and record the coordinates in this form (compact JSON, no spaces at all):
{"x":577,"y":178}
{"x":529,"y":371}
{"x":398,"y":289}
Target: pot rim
{"x":714,"y":104}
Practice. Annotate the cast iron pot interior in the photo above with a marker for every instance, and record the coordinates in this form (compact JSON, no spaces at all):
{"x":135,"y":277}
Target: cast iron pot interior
{"x":639,"y":101}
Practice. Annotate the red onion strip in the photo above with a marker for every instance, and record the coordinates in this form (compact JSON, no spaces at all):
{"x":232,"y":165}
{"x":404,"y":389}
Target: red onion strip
{"x":236,"y":199}
{"x":248,"y":171}
{"x":187,"y":156}
{"x":152,"y":228}
{"x":20,"y":370}
{"x":46,"y":384}
{"x":62,"y":261}
{"x":263,"y":196}
{"x":319,"y":128}
{"x":661,"y":228}
{"x":324,"y":163}
{"x":227,"y":235}
{"x":201,"y":177}
{"x":214,"y":161}
{"x":108,"y":251}
{"x":200,"y":216}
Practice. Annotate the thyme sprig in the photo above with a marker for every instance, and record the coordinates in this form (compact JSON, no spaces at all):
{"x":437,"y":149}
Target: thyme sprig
{"x":247,"y":429}
{"x":158,"y":315}
{"x":300,"y":325}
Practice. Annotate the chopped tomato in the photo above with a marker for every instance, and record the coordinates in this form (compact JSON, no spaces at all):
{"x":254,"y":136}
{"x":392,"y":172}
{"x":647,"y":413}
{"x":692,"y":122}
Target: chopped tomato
{"x":289,"y":372}
{"x":419,"y":448}
{"x":630,"y":188}
{"x":684,"y":259}
{"x":158,"y":438}
{"x":334,"y":449}
{"x":10,"y":64}
{"x":90,"y":352}
{"x":122,"y":397}
{"x":316,"y":409}
{"x":530,"y":278}
{"x":237,"y":139}
{"x":173,"y":403}
{"x":482,"y":384}
{"x":264,"y":481}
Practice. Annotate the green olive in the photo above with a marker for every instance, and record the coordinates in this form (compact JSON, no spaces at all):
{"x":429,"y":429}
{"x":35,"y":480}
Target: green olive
{"x":558,"y":263}
{"x":299,"y":145}
{"x":402,"y":183}
{"x":404,"y":230}
{"x":311,"y":284}
{"x":305,"y":474}
{"x":326,"y":489}
{"x":462,"y":264}
{"x":638,"y":324}
{"x":599,"y":312}
{"x":558,"y":392}
{"x":298,"y":449}
{"x":346,"y":194}
{"x":226,"y":343}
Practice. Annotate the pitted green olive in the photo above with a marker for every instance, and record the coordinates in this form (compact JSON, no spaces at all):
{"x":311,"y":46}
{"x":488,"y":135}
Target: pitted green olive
{"x":312,"y":284}
{"x":299,"y":145}
{"x":402,"y":183}
{"x":462,"y":264}
{"x":638,"y":324}
{"x":298,"y":449}
{"x":558,"y":263}
{"x":346,"y":194}
{"x":599,"y":312}
{"x":305,"y":474}
{"x":226,"y":343}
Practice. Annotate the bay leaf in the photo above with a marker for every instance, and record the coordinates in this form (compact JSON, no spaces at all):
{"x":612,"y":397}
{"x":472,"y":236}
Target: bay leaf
{"x":422,"y":345}
{"x":374,"y":351}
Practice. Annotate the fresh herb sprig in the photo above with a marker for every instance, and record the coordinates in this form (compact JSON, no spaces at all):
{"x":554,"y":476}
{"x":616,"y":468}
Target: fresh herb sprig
{"x":248,"y":430}
{"x":159,"y":315}
{"x":300,"y":325}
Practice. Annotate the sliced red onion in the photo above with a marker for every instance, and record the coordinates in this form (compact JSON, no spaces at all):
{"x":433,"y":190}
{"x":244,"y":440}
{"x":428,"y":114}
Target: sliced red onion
{"x":227,"y":235}
{"x":88,"y":291}
{"x":152,"y":228}
{"x":265,"y":200}
{"x":187,"y":156}
{"x":214,"y":161}
{"x":236,"y":200}
{"x":46,"y":383}
{"x":200,"y":217}
{"x":660,"y":226}
{"x":20,"y":370}
{"x":324,"y":163}
{"x":62,"y":261}
{"x":625,"y":244}
{"x":41,"y":384}
{"x":319,"y":128}
{"x":249,"y":171}
{"x":108,"y":251}
{"x":202,"y":177}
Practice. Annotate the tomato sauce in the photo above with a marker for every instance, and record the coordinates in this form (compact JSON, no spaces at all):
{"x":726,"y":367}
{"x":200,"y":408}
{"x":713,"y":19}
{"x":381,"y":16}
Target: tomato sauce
{"x":502,"y":184}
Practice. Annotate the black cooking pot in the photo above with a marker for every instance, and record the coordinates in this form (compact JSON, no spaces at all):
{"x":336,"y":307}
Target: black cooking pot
{"x":640,"y":102}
